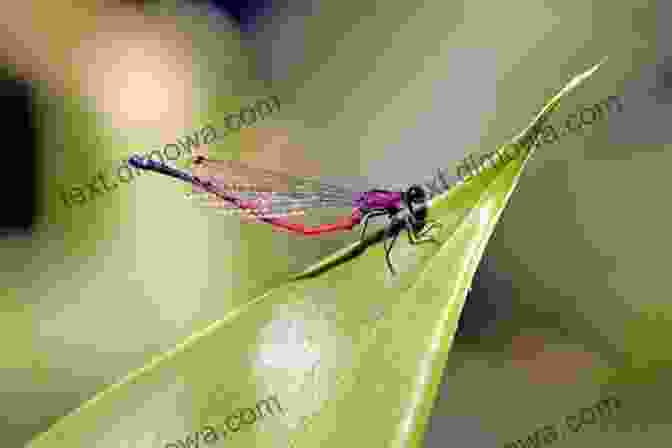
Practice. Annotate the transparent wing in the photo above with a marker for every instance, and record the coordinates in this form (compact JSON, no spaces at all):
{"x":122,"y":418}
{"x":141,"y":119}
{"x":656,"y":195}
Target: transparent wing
{"x":265,"y":193}
{"x":266,"y":204}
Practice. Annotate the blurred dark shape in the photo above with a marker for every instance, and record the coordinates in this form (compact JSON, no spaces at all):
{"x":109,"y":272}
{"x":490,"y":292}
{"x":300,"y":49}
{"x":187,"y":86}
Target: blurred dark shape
{"x":662,"y":90}
{"x":644,"y":120}
{"x":19,"y":165}
{"x":244,"y":12}
{"x":490,"y":302}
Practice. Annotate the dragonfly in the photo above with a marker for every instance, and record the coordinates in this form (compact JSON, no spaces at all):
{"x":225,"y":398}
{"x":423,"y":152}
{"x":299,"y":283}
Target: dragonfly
{"x":274,"y":196}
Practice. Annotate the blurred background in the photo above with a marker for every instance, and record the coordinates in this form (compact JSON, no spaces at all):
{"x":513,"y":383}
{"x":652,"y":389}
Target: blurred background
{"x":568,"y":306}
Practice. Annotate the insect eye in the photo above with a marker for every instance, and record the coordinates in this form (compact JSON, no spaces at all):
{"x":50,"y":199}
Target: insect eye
{"x":416,"y":194}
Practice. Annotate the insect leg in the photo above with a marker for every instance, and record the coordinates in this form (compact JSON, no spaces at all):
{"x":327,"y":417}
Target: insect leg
{"x":413,"y":236}
{"x":366,"y":221}
{"x":431,"y":225}
{"x":388,"y":250}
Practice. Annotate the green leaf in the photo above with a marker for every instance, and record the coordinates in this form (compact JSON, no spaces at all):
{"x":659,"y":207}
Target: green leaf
{"x":344,"y":354}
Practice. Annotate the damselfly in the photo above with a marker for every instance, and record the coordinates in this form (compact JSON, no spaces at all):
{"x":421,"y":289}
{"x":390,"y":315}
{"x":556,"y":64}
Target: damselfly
{"x":275,"y":196}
